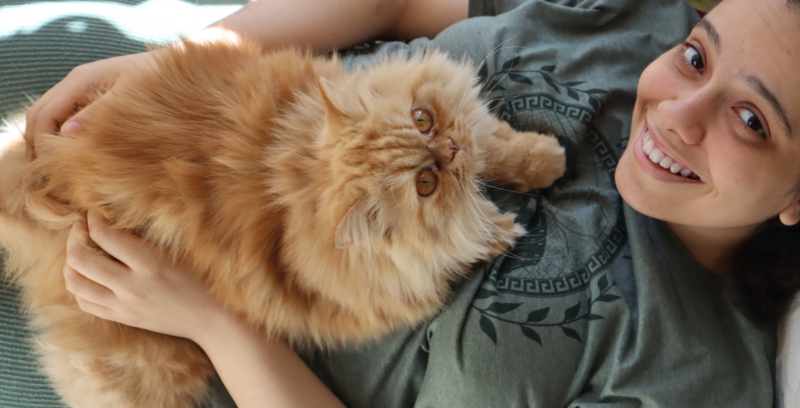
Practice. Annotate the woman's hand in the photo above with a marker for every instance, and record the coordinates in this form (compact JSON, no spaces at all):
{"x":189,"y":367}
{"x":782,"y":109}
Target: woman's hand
{"x":61,"y":101}
{"x":142,"y":287}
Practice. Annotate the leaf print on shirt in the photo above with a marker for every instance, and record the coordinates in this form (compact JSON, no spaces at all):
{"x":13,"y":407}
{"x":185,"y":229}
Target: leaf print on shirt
{"x":538,"y":318}
{"x":492,"y":82}
{"x":555,"y":275}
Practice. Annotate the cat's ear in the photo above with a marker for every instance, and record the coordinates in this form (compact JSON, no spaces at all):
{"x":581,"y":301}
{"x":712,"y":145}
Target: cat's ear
{"x":339,"y":104}
{"x":330,"y":96}
{"x":356,"y":226}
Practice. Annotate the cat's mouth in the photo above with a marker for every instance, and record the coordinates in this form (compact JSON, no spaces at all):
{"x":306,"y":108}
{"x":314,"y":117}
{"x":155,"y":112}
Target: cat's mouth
{"x":454,"y":149}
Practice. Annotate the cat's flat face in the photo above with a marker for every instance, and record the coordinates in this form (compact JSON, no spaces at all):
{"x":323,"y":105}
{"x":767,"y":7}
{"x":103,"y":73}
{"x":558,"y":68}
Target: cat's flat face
{"x":407,"y":156}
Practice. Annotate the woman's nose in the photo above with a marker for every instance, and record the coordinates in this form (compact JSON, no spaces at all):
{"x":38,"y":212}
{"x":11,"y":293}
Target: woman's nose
{"x":687,"y":115}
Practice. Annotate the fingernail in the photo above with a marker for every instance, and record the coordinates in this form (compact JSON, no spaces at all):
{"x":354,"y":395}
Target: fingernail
{"x":71,"y":126}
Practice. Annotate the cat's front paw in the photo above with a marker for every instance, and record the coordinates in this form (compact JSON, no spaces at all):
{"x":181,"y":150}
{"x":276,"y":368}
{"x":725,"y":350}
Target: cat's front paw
{"x":545,"y":161}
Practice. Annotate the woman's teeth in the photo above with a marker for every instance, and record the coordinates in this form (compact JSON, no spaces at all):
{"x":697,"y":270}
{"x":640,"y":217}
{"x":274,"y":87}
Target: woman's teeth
{"x":658,"y":157}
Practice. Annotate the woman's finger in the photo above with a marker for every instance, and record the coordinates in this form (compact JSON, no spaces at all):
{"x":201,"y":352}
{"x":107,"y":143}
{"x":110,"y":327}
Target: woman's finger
{"x":81,"y":85}
{"x":74,"y":124}
{"x":100,"y":311}
{"x":44,"y":116}
{"x":128,"y":248}
{"x":52,"y":113}
{"x":87,"y":289}
{"x":91,"y":265}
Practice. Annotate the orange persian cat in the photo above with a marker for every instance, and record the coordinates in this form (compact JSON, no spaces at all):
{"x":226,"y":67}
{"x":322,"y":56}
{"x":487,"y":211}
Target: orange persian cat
{"x":324,"y":206}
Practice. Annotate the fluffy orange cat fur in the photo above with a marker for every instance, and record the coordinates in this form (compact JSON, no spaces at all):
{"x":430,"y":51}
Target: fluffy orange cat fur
{"x":324,"y":206}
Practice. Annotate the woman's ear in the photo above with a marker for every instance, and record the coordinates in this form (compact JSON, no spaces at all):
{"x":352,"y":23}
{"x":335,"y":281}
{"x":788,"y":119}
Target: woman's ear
{"x":791,"y":215}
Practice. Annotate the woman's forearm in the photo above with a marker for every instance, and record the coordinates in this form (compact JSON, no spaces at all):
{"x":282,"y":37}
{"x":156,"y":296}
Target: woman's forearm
{"x":261,"y":373}
{"x":336,"y":24}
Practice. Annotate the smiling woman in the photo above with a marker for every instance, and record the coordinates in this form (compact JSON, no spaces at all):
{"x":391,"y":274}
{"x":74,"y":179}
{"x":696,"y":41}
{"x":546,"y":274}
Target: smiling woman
{"x":712,"y":150}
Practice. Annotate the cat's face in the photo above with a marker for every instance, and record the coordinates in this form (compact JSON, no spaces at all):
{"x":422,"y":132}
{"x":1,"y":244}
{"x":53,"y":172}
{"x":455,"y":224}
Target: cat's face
{"x":405,"y":160}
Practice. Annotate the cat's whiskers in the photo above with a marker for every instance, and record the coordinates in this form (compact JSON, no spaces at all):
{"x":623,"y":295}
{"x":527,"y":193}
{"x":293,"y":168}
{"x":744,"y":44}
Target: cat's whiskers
{"x":496,"y":187}
{"x":486,"y":105}
{"x":492,"y":52}
{"x":498,"y":48}
{"x":495,"y":50}
{"x":477,"y":219}
{"x":479,"y":215}
{"x":483,"y":100}
{"x":485,"y":217}
{"x":506,"y":253}
{"x":391,"y":191}
{"x":463,"y":97}
{"x":475,"y":190}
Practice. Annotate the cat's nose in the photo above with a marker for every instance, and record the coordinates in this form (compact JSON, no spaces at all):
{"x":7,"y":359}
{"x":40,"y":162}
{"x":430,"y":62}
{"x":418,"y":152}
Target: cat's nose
{"x":445,"y":149}
{"x":454,"y":149}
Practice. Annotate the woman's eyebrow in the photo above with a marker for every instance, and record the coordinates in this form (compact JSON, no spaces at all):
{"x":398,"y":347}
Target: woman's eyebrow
{"x":758,"y":86}
{"x":711,"y":32}
{"x":752,"y":81}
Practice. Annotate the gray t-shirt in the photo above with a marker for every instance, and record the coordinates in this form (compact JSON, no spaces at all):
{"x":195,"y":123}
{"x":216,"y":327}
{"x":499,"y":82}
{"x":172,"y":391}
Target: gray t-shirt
{"x":598,"y":305}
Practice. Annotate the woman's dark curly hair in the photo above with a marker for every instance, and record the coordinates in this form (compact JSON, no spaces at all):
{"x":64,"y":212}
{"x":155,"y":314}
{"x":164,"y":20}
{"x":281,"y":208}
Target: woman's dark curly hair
{"x":768,"y":267}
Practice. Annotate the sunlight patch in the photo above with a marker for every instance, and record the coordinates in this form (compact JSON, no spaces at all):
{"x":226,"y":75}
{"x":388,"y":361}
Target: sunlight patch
{"x":153,"y":21}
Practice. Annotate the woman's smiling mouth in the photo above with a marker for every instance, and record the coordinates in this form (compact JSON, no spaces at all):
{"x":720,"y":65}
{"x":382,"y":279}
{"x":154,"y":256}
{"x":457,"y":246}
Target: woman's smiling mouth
{"x":657,"y":156}
{"x":657,"y":163}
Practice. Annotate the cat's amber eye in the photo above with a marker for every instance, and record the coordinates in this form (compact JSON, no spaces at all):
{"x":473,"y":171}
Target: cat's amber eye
{"x":426,"y":183}
{"x":422,"y":119}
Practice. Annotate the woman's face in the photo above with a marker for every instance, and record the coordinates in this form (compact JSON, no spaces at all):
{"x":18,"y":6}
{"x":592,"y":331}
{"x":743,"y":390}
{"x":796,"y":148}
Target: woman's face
{"x":722,"y":113}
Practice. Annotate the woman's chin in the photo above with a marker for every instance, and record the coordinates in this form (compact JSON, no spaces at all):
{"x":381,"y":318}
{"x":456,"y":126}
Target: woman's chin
{"x":639,"y":192}
{"x":629,"y":186}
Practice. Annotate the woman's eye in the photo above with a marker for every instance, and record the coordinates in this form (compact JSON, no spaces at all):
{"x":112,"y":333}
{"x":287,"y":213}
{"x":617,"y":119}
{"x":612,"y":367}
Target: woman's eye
{"x":751,"y":120}
{"x":693,"y":58}
{"x":423,"y":119}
